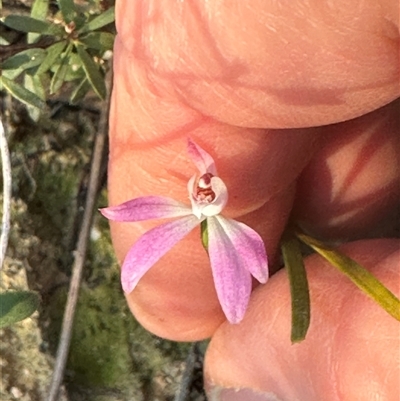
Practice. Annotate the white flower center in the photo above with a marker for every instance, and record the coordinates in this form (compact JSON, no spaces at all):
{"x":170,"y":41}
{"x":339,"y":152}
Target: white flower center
{"x":208,"y":195}
{"x":204,"y":192}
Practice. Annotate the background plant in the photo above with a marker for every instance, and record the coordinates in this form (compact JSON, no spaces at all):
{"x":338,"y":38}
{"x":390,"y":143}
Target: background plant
{"x":67,"y":47}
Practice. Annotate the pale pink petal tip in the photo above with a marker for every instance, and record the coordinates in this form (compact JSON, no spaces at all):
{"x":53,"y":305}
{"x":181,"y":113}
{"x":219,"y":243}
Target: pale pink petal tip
{"x":232,"y":280}
{"x":202,"y":160}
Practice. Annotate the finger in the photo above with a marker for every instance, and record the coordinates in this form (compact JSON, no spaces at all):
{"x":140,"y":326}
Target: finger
{"x":148,"y":135}
{"x":351,"y":188}
{"x":350,"y":352}
{"x":268,"y":64}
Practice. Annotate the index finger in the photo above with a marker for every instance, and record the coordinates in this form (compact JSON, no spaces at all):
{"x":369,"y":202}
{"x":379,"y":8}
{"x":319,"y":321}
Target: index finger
{"x":268,"y":64}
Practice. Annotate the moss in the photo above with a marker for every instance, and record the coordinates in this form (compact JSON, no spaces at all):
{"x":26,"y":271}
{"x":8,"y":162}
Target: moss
{"x":99,"y":355}
{"x":100,"y":350}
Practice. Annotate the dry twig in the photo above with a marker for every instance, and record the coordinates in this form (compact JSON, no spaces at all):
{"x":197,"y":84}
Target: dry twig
{"x":80,"y":252}
{"x":187,"y":376}
{"x":6,"y":168}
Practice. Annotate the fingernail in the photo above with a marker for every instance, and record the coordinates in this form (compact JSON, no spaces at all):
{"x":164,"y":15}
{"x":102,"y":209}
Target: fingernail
{"x":243,"y":394}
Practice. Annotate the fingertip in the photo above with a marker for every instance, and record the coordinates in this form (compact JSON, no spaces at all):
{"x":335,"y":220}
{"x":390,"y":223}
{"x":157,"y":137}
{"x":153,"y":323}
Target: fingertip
{"x":348,"y":351}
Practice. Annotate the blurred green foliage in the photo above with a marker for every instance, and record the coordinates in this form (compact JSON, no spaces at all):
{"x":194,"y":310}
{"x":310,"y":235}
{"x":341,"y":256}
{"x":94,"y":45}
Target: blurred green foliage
{"x":67,"y":46}
{"x":16,"y":306}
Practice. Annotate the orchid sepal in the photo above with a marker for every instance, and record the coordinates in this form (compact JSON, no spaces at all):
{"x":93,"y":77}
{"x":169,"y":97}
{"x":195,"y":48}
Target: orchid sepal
{"x":151,"y":247}
{"x":146,"y":208}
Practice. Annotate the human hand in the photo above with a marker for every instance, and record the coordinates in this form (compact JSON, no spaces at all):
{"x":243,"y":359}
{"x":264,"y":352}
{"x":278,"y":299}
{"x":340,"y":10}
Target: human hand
{"x":240,"y":80}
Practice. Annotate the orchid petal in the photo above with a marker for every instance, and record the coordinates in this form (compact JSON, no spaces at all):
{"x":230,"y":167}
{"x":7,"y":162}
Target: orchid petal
{"x":202,"y":160}
{"x":146,"y":208}
{"x":232,"y":280}
{"x":249,"y":247}
{"x":151,"y":246}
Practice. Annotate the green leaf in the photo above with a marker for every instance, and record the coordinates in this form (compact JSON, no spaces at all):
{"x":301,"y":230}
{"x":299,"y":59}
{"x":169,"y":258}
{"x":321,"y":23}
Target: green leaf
{"x":52,"y":54}
{"x":67,"y":10}
{"x":61,"y":71}
{"x":38,"y":11}
{"x":55,"y":30}
{"x":73,"y":75}
{"x":361,"y":277}
{"x":204,"y":234}
{"x":70,"y":68}
{"x":25,"y":59}
{"x":299,"y":291}
{"x":16,"y":306}
{"x":34,"y":84}
{"x":23,"y":23}
{"x":101,"y":20}
{"x":58,"y":78}
{"x":92,"y":72}
{"x":98,"y":40}
{"x":22,"y":94}
{"x":12,"y":74}
{"x":80,"y":91}
{"x":80,"y":22}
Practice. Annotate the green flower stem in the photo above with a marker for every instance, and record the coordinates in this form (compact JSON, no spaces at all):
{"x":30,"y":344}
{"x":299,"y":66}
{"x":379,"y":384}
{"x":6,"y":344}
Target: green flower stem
{"x":204,"y":234}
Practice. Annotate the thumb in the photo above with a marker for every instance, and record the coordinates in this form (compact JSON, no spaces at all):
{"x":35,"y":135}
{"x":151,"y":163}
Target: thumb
{"x":350,"y":352}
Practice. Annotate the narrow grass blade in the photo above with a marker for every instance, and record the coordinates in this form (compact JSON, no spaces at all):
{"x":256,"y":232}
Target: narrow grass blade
{"x":361,"y":277}
{"x":299,"y":291}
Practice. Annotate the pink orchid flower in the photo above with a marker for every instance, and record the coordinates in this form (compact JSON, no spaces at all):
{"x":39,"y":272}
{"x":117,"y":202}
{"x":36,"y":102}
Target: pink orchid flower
{"x":235,"y":250}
